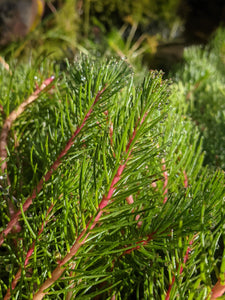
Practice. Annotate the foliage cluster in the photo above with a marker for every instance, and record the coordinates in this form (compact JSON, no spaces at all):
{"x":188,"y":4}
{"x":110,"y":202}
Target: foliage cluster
{"x":202,"y":80}
{"x":100,"y":28}
{"x":104,"y":192}
{"x":140,"y":11}
{"x":56,"y":35}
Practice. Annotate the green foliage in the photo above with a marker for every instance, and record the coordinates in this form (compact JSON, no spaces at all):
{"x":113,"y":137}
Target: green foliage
{"x":56,"y":35}
{"x":202,"y":80}
{"x":140,"y":11}
{"x":124,"y":203}
{"x":99,"y":28}
{"x":132,"y":49}
{"x":129,"y":30}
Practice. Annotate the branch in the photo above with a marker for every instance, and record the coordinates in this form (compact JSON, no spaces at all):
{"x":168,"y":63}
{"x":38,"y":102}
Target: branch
{"x":151,"y":236}
{"x":218,"y":290}
{"x":29,"y":253}
{"x":186,"y":256}
{"x":12,"y":117}
{"x":142,"y":243}
{"x":5,"y":132}
{"x":48,"y":175}
{"x":56,"y":274}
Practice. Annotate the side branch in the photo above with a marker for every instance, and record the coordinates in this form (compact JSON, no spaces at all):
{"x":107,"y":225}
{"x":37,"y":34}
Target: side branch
{"x":29,"y":253}
{"x":186,"y":257}
{"x":218,"y":290}
{"x":57,"y":273}
{"x":5,"y":131}
{"x":13,"y":116}
{"x":48,"y":175}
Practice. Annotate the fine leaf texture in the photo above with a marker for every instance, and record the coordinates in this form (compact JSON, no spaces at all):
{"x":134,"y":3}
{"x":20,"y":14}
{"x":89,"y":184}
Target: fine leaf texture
{"x":111,"y":196}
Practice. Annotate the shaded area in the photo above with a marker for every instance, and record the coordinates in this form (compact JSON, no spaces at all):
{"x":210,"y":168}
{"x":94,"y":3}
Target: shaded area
{"x":201,"y":19}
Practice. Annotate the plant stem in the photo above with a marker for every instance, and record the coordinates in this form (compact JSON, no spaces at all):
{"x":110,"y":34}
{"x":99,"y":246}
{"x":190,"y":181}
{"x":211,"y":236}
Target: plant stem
{"x":13,"y":116}
{"x":29,"y":253}
{"x":48,"y":175}
{"x":56,"y":274}
{"x":186,"y":256}
{"x":218,"y":290}
{"x":4,"y":137}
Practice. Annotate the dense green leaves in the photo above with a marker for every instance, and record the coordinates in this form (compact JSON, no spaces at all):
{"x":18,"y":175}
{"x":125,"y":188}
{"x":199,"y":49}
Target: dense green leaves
{"x":202,"y":80}
{"x":122,"y":205}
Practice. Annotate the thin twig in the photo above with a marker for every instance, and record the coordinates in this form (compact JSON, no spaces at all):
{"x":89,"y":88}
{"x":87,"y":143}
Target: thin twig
{"x":186,"y":257}
{"x":12,"y":117}
{"x":48,"y":175}
{"x":189,"y":248}
{"x":29,"y":253}
{"x":218,"y":290}
{"x":4,"y":137}
{"x":57,"y":273}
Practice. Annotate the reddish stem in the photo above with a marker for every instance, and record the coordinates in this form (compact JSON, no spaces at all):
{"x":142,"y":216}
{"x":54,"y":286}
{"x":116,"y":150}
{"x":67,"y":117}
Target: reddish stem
{"x":55,"y":165}
{"x":4,"y":137}
{"x":185,"y":179}
{"x":186,"y":256}
{"x":29,"y":253}
{"x":130,"y":200}
{"x":188,"y":249}
{"x":12,"y":117}
{"x":142,"y":242}
{"x":56,"y":274}
{"x":218,"y":290}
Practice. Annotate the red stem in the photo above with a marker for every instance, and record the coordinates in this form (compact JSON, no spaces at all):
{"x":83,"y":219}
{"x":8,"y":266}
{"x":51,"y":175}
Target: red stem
{"x":142,"y":242}
{"x":56,"y":274}
{"x":185,"y":179}
{"x":218,"y":290}
{"x":186,"y":256}
{"x":13,"y":116}
{"x":187,"y":252}
{"x":55,"y":165}
{"x":4,"y":137}
{"x":29,"y":253}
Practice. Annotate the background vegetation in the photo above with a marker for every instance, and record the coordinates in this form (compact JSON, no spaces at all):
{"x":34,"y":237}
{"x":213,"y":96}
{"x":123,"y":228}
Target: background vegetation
{"x":113,"y":186}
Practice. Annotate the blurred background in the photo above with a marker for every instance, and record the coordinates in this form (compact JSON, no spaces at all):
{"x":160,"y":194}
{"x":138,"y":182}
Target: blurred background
{"x":151,"y":33}
{"x":184,"y":38}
